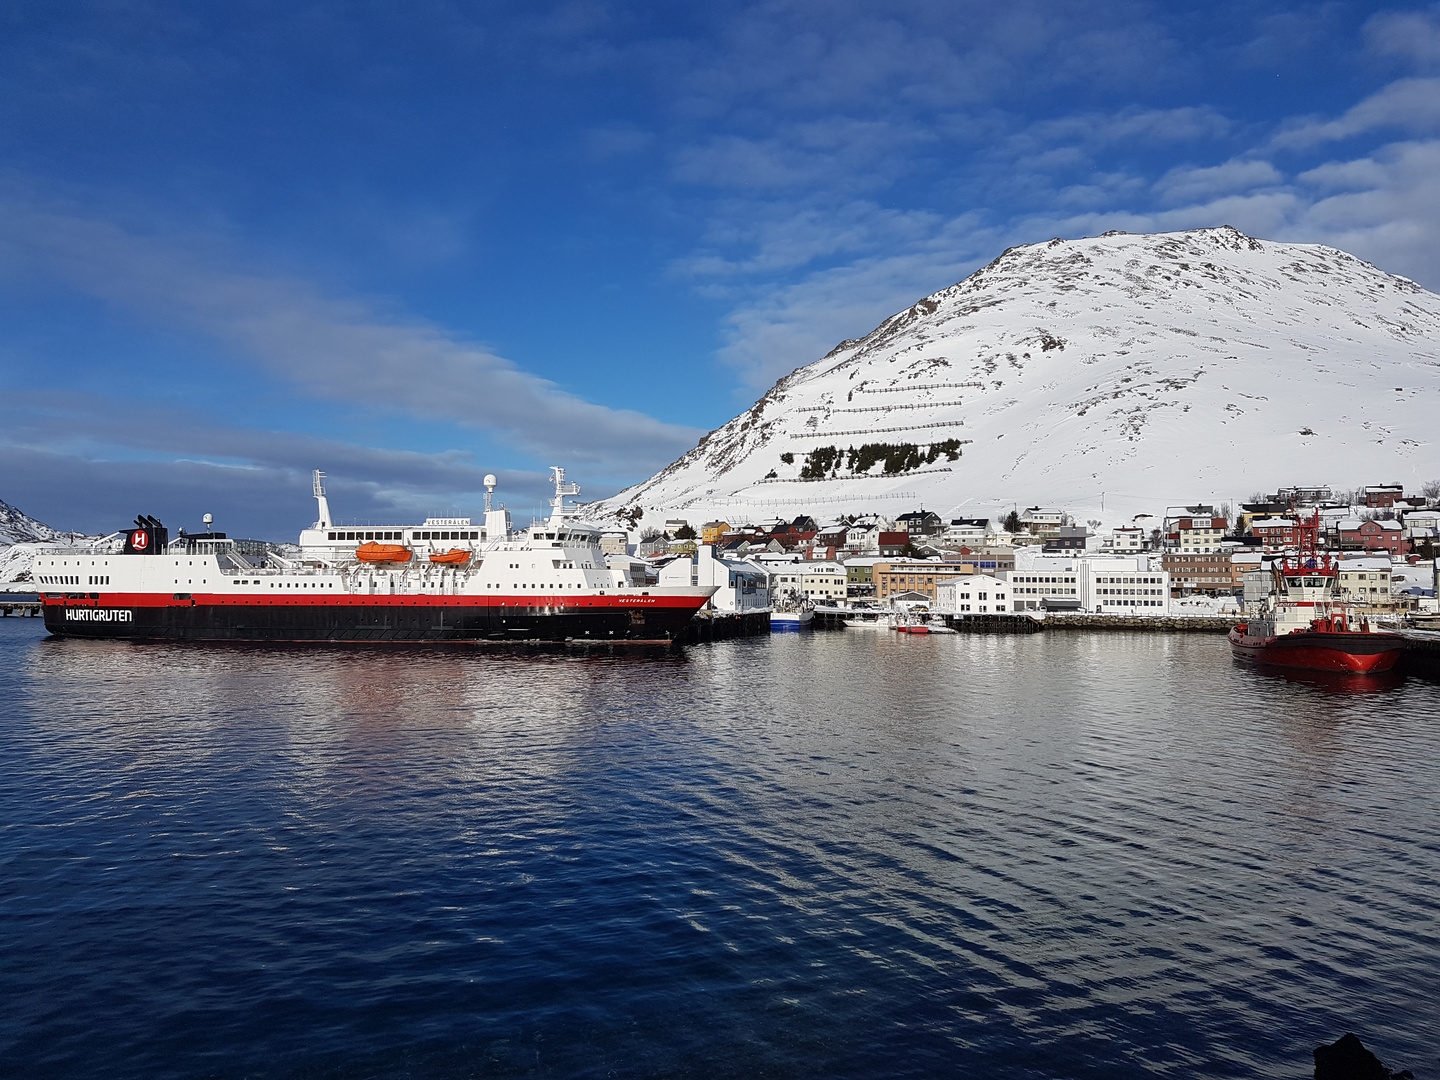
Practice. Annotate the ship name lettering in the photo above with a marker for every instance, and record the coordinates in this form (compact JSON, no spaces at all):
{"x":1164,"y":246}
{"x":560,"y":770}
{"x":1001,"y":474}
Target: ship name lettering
{"x":99,"y":615}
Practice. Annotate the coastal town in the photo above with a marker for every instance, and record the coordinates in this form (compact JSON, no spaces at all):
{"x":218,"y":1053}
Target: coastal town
{"x":1197,"y":559}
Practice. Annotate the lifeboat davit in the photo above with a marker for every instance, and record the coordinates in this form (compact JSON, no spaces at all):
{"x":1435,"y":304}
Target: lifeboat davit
{"x":453,"y":557}
{"x":373,"y":552}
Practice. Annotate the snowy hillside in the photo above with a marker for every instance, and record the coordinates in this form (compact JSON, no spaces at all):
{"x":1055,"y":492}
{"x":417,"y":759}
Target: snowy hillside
{"x":1156,"y":369}
{"x":19,"y":528}
{"x":22,"y":536}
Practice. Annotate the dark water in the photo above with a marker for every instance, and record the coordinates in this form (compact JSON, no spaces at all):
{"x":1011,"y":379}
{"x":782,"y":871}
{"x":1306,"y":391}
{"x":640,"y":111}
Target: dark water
{"x":850,"y":855}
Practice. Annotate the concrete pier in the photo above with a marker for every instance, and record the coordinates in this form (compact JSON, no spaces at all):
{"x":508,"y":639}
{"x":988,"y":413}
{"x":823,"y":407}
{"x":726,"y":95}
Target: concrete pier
{"x":1196,"y":624}
{"x":714,"y":626}
{"x":1422,"y":653}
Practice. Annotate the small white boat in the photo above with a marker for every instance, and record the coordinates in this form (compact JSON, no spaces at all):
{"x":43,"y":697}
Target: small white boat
{"x":882,"y":623}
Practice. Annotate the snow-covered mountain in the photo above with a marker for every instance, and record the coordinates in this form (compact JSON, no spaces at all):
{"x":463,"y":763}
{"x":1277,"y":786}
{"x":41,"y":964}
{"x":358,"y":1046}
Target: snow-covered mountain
{"x":1155,"y":369}
{"x":21,"y":536}
{"x":20,"y":528}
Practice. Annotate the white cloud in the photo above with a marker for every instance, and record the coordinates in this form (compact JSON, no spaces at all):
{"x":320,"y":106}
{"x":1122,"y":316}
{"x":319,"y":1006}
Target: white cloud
{"x":333,"y":349}
{"x":1411,"y":35}
{"x":783,"y":328}
{"x":1187,"y":184}
{"x":1407,"y":104}
{"x":838,"y":152}
{"x":782,"y":237}
{"x":1381,"y":207}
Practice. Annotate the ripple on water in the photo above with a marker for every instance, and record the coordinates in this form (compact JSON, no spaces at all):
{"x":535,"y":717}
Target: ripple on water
{"x":827,"y":854}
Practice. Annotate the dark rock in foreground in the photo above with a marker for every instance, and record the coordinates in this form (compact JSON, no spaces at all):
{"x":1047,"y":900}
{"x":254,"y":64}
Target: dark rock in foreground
{"x":1347,"y":1059}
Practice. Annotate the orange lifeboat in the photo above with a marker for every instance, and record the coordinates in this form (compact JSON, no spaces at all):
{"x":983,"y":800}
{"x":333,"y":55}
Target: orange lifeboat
{"x":453,"y":557}
{"x":373,"y":552}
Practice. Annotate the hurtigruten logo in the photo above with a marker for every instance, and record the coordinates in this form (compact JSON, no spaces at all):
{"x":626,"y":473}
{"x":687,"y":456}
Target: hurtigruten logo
{"x":90,"y":614}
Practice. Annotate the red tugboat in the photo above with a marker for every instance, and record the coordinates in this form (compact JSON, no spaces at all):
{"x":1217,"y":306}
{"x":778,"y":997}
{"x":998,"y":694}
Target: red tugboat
{"x":1304,"y":626}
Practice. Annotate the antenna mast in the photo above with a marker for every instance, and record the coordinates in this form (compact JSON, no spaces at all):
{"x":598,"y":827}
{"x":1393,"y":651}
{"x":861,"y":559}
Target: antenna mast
{"x":318,"y":488}
{"x":562,"y":490}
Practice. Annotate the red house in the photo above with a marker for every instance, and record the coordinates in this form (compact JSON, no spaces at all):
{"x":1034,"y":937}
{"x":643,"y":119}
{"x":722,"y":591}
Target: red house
{"x":1383,"y":496}
{"x":1275,"y":532}
{"x":893,"y":543}
{"x":1374,"y":536}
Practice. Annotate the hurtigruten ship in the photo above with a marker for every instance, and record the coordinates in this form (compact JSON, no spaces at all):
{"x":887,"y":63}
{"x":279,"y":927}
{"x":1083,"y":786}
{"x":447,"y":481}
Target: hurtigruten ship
{"x":444,"y":581}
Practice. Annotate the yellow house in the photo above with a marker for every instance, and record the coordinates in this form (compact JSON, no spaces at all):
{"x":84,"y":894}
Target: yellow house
{"x":711,"y":531}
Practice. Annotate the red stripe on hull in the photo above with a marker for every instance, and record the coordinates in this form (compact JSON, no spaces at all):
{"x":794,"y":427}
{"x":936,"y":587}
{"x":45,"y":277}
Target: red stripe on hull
{"x":616,"y":602}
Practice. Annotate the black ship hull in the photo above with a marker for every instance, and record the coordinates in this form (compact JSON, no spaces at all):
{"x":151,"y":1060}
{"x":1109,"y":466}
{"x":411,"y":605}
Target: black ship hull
{"x":375,"y":621}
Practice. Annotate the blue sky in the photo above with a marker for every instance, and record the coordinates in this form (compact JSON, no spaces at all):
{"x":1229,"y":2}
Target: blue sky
{"x":410,"y":244}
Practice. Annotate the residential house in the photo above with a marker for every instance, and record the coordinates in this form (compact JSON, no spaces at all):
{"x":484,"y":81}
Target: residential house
{"x":1043,"y":522}
{"x":1383,"y":496}
{"x":1420,"y":524}
{"x":1374,"y":536}
{"x":1291,"y":497}
{"x":712,"y":531}
{"x":1366,"y":580}
{"x":1193,"y":529}
{"x":892,"y":543}
{"x":968,"y":532}
{"x":804,"y":523}
{"x":860,"y":575}
{"x":614,"y":543}
{"x":1069,"y":538}
{"x":1250,"y":511}
{"x":824,"y":582}
{"x":921,"y":523}
{"x":1244,"y":561}
{"x":1126,"y":538}
{"x":1275,"y":533}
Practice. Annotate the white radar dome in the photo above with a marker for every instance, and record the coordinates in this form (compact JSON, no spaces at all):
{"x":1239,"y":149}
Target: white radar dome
{"x":490,"y":480}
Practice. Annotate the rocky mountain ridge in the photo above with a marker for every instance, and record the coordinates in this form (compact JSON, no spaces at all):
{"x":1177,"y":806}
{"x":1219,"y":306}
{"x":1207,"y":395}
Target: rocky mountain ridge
{"x":17,"y":527}
{"x":21,"y":536}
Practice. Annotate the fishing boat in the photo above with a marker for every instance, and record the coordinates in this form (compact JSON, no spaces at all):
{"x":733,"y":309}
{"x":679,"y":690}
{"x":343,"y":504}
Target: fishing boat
{"x":791,"y":614}
{"x":1305,"y":625}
